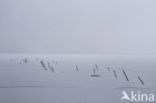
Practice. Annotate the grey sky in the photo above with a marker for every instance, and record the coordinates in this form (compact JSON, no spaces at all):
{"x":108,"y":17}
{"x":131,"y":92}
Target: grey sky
{"x":48,"y":26}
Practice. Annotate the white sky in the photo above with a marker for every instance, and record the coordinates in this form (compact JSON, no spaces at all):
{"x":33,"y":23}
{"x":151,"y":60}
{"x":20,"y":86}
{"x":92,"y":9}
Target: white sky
{"x":85,"y":26}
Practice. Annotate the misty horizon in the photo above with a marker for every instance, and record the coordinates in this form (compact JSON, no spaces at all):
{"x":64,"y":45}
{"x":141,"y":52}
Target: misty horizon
{"x":84,"y":26}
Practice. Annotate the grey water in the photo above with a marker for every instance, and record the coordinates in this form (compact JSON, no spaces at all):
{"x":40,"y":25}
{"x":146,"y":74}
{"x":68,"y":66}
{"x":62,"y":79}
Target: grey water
{"x":67,"y":78}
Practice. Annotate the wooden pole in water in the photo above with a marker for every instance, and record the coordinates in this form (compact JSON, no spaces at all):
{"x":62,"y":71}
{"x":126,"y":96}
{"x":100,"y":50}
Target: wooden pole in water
{"x":125,"y":75}
{"x":43,"y":65}
{"x":52,"y":69}
{"x":96,"y":67}
{"x":115,"y":74}
{"x":77,"y":68}
{"x":141,"y":80}
{"x":94,"y":71}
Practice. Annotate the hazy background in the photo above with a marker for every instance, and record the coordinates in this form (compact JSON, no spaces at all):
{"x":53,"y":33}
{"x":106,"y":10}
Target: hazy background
{"x":79,"y":26}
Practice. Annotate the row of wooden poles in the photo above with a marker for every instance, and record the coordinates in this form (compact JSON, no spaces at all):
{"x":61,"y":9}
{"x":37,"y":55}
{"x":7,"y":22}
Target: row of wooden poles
{"x":51,"y":67}
{"x":46,"y":65}
{"x":114,"y":72}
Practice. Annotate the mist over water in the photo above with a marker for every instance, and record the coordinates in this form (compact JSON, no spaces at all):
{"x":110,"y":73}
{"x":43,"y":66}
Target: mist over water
{"x":76,"y":51}
{"x":24,"y":79}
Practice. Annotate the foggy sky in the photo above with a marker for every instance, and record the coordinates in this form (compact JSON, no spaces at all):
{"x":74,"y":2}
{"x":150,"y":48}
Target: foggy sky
{"x":82,"y":26}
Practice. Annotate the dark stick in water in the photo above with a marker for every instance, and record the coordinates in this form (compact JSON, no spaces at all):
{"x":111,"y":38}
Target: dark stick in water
{"x":77,"y":68}
{"x":43,"y":65}
{"x":48,"y":64}
{"x":52,"y":69}
{"x":95,"y":75}
{"x":125,"y":75}
{"x":141,"y":80}
{"x":115,"y":74}
{"x":94,"y":70}
{"x":96,"y":67}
